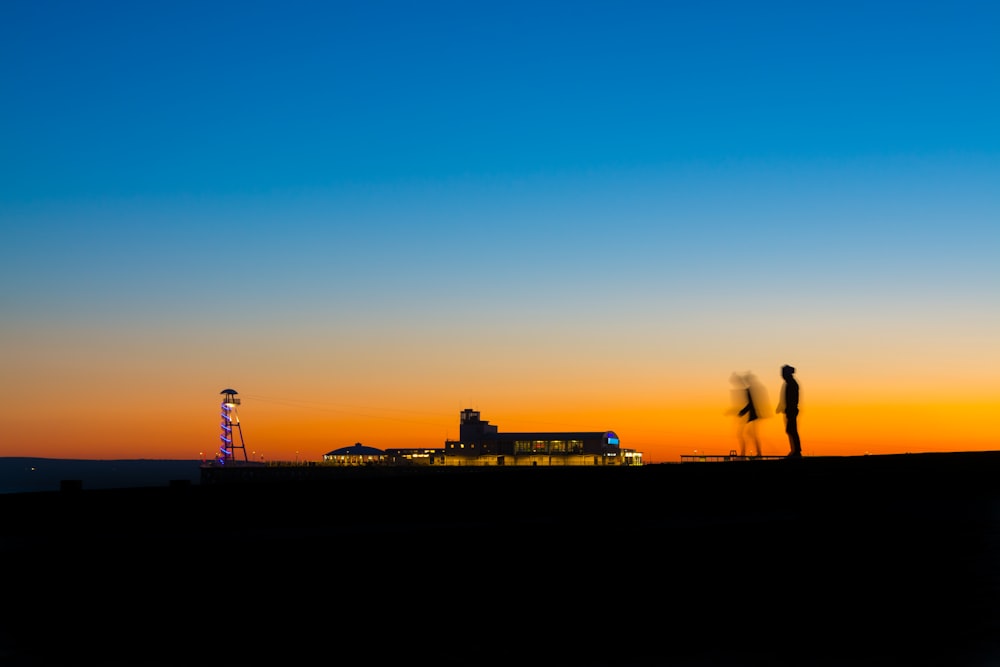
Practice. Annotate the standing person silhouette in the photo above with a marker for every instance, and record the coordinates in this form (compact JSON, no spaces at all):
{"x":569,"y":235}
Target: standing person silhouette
{"x":789,"y":404}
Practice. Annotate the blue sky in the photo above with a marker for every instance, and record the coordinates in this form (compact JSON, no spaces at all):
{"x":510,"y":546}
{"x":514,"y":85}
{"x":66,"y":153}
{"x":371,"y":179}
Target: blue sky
{"x":126,"y":99}
{"x":708,"y":186}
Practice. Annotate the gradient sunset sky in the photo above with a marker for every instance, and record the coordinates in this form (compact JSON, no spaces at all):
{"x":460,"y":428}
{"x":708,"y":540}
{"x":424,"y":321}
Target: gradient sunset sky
{"x":571,"y":216}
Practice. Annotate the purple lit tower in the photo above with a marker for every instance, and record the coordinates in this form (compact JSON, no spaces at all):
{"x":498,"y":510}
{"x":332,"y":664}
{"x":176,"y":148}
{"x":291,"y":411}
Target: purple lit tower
{"x":230,"y":418}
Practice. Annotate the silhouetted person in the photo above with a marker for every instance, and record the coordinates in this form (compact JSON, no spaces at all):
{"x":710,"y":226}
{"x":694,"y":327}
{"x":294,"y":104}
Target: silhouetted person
{"x":789,"y":404}
{"x":748,"y":401}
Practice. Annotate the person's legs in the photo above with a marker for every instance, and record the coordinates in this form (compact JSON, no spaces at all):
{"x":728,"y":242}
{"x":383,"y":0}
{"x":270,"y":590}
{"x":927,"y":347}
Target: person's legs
{"x":754,"y":438}
{"x":792,"y":428}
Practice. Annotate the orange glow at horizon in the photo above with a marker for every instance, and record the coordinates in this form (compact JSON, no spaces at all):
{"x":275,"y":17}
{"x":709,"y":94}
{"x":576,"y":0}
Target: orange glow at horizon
{"x":283,"y":429}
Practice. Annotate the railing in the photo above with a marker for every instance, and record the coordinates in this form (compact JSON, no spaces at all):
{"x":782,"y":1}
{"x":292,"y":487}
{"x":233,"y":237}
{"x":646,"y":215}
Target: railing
{"x":731,"y":456}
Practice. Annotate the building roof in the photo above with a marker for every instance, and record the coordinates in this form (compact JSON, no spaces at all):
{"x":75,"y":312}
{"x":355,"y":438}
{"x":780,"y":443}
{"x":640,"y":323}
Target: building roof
{"x":357,"y":449}
{"x":560,"y":435}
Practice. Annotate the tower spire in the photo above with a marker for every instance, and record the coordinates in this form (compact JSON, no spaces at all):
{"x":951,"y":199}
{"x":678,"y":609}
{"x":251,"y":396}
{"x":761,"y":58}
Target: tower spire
{"x":230,"y":419}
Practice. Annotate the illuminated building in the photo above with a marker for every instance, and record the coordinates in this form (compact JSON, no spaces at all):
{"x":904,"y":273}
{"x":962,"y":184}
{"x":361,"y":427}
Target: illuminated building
{"x":362,"y":455}
{"x":356,"y":455}
{"x":482,"y":443}
{"x":420,"y":456}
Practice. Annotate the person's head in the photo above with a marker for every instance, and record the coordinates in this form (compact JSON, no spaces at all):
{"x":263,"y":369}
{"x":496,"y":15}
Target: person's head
{"x":786,"y":371}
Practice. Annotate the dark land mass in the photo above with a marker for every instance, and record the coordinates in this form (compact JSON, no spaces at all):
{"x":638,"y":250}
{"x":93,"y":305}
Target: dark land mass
{"x":27,"y":474}
{"x":875,"y":560}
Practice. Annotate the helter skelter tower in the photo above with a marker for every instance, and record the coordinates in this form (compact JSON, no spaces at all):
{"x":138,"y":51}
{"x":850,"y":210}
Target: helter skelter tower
{"x":230,"y":419}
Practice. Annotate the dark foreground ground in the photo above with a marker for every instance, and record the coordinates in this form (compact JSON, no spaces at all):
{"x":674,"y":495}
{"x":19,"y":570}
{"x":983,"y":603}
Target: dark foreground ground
{"x":884,"y":560}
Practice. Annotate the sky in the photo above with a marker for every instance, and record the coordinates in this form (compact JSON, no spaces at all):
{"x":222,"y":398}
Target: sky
{"x":365,"y":217}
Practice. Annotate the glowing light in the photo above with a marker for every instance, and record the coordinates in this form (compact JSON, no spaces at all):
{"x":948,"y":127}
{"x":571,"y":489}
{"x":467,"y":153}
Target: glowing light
{"x":228,"y":419}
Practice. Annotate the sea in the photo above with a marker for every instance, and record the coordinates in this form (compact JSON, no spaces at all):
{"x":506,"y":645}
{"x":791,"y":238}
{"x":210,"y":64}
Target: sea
{"x":30,"y":474}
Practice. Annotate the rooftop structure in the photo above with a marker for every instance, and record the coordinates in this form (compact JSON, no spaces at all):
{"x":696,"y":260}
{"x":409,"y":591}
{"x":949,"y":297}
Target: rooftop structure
{"x":482,"y":443}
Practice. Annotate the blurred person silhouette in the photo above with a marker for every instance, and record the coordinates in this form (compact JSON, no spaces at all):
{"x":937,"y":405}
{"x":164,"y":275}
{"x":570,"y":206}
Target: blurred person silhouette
{"x":789,"y":404}
{"x":750,"y":396}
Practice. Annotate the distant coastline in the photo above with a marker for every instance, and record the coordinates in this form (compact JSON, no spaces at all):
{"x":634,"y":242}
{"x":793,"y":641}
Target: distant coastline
{"x":19,"y":474}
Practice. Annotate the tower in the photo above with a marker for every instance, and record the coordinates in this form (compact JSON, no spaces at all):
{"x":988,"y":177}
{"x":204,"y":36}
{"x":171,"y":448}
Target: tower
{"x":230,"y":418}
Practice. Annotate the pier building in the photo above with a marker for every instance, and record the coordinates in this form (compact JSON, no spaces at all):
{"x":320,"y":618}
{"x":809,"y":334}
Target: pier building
{"x":356,"y":455}
{"x":482,"y":443}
